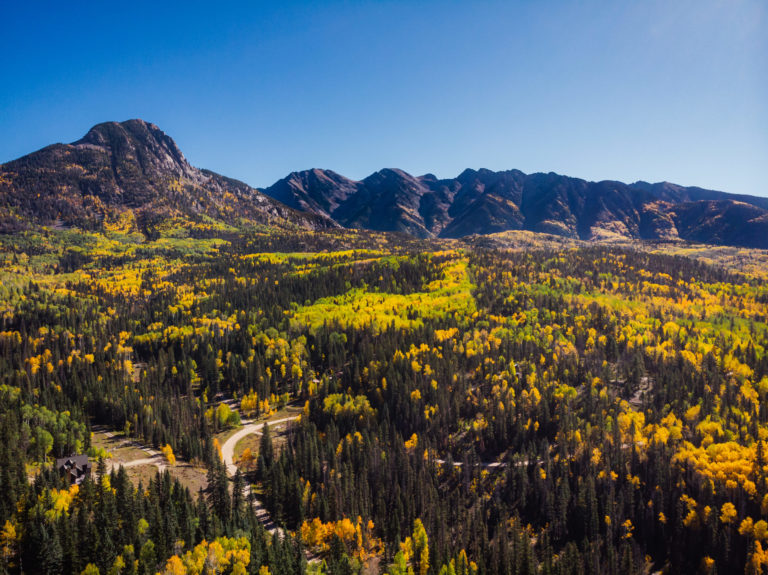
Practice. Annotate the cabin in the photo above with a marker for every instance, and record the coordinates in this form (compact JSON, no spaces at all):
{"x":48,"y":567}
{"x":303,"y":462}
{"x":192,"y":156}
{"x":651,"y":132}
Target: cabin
{"x":75,"y":468}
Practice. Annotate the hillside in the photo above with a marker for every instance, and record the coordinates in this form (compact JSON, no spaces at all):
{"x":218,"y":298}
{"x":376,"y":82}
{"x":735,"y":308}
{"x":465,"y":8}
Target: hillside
{"x":129,"y":176}
{"x":486,"y":202}
{"x":510,"y":403}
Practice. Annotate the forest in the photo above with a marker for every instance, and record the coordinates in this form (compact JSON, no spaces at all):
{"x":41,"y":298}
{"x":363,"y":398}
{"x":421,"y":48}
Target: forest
{"x":504,"y":406}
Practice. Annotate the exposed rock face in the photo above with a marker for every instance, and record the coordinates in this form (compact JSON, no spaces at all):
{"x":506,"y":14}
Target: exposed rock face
{"x":129,"y":167}
{"x":484,"y":202}
{"x":133,"y":170}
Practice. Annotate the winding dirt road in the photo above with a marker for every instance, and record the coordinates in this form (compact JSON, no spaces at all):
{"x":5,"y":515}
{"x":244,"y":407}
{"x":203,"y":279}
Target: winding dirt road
{"x":228,"y":449}
{"x":228,"y":455}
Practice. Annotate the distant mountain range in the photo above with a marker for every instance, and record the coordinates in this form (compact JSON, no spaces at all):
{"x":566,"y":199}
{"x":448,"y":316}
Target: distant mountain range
{"x":133,"y":168}
{"x":484,"y":202}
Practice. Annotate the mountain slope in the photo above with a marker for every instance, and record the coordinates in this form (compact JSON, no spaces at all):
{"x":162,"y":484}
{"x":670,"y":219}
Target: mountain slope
{"x":484,"y":202}
{"x":133,"y":177}
{"x":131,"y":171}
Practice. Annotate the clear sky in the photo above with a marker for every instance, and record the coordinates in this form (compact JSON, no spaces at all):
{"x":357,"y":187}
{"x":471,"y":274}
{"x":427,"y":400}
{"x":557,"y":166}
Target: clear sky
{"x":648,"y":89}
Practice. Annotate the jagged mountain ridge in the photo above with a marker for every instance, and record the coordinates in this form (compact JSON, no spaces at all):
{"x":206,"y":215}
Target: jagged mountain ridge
{"x":130,"y":168}
{"x":134,"y":173}
{"x":484,"y":202}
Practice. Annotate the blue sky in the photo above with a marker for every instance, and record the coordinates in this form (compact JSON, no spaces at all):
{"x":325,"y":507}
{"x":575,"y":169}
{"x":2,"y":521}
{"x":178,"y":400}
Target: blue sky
{"x":652,"y":89}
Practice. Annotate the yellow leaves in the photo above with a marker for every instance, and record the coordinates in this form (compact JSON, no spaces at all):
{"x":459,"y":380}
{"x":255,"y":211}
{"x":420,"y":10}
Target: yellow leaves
{"x":168,"y":454}
{"x":628,"y":529}
{"x":629,"y":419}
{"x":565,"y":392}
{"x":633,"y":480}
{"x":341,"y":404}
{"x":34,"y":364}
{"x":736,"y":369}
{"x":692,"y":414}
{"x":746,"y":527}
{"x":762,"y":386}
{"x":444,"y":334}
{"x":412,"y":442}
{"x":750,"y":395}
{"x":61,"y":501}
{"x":479,"y":423}
{"x":729,"y":463}
{"x":710,"y":430}
{"x":142,"y":526}
{"x":757,"y":560}
{"x":674,"y":426}
{"x":360,"y":308}
{"x":760,"y":530}
{"x":224,"y":554}
{"x":691,"y":358}
{"x":662,"y":518}
{"x":533,"y":397}
{"x":691,"y":520}
{"x":217,"y":446}
{"x":9,"y":538}
{"x":317,"y":534}
{"x":728,"y":513}
{"x":349,"y":440}
{"x":421,"y":546}
{"x":174,"y":566}
{"x":249,"y":403}
{"x":661,"y":434}
{"x":415,"y":395}
{"x":247,"y":456}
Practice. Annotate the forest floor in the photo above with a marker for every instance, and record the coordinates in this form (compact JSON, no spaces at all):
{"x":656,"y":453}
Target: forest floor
{"x":249,"y":428}
{"x":251,"y":441}
{"x":142,"y":462}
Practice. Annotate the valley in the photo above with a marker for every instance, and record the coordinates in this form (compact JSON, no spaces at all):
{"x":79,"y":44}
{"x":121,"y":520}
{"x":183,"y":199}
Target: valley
{"x":512,"y":403}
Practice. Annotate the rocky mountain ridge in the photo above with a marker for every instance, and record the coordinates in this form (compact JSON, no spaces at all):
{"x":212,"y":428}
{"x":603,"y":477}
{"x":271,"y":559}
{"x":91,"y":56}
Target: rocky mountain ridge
{"x":484,"y":202}
{"x":132,"y":176}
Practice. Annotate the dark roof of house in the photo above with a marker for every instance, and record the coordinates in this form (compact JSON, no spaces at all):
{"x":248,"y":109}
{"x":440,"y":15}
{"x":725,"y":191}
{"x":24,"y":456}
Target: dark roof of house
{"x":73,"y":461}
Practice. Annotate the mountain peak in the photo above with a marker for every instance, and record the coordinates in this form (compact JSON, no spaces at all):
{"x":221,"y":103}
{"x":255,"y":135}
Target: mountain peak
{"x":483,"y":201}
{"x":131,"y":166}
{"x":394,"y":173}
{"x":138,"y":140}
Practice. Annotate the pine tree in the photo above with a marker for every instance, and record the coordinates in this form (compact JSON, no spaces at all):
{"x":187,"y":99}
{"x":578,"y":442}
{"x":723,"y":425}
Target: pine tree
{"x":238,"y":499}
